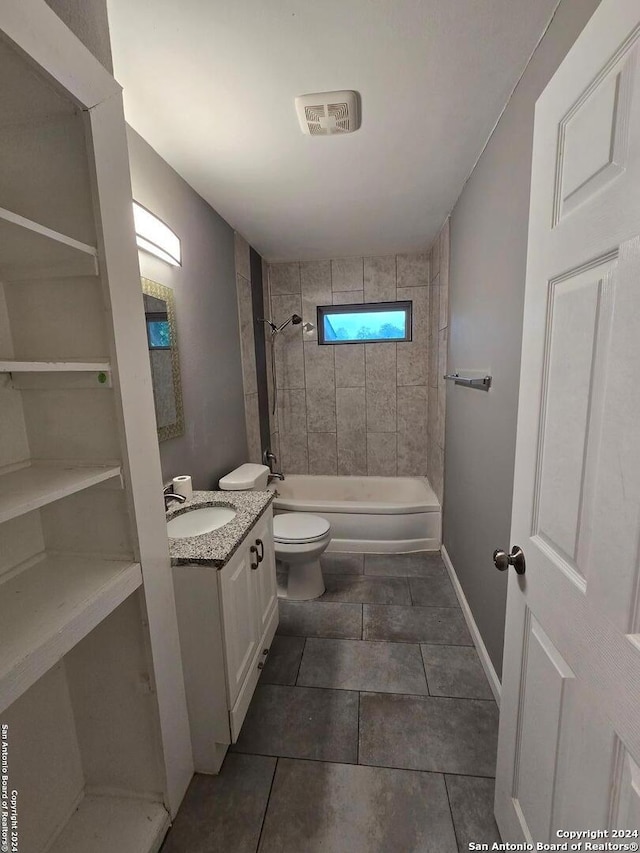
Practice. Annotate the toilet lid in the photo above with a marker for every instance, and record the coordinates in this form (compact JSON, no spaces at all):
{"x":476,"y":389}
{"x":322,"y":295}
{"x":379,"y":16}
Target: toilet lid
{"x":292,"y":527}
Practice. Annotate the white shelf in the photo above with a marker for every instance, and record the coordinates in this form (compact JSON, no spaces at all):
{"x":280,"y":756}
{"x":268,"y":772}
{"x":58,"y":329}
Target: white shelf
{"x":30,"y":250}
{"x":15,"y":366}
{"x":29,"y":488}
{"x":105,"y":824}
{"x":48,"y":608}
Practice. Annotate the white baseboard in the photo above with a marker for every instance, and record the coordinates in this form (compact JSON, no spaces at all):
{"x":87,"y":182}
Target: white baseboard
{"x":483,"y":654}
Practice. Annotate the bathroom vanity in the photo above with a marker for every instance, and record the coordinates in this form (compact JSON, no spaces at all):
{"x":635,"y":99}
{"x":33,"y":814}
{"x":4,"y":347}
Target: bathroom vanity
{"x":226,"y":598}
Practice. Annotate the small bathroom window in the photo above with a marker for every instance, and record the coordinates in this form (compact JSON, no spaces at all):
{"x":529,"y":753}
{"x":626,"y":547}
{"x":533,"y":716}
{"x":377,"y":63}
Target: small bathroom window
{"x":364,"y":323}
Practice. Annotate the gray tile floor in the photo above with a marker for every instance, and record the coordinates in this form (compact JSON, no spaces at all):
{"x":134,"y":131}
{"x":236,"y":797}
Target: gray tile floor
{"x":373,"y":728}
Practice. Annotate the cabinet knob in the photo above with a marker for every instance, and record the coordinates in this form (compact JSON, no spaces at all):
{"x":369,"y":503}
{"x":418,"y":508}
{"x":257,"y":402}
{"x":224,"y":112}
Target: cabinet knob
{"x":261,"y":665}
{"x":265,"y":651}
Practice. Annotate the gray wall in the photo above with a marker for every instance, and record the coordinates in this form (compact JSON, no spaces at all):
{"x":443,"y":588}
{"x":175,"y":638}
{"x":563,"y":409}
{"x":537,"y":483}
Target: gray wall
{"x":488,"y":262}
{"x":88,"y":20}
{"x":207,"y":321}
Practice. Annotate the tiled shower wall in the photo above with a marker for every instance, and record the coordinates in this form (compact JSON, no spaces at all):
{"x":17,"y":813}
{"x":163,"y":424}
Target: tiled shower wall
{"x":358,"y":408}
{"x":248,"y":352}
{"x":437,"y":361}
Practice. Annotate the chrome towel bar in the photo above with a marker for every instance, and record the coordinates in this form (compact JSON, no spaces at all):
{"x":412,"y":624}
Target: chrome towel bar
{"x":482,"y":382}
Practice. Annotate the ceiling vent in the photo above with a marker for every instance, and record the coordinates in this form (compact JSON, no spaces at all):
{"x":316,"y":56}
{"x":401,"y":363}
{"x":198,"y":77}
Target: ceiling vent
{"x":328,"y":113}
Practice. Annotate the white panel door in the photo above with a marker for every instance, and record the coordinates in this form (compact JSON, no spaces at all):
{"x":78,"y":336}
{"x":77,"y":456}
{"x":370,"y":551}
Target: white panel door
{"x":239,"y":615}
{"x":569,"y":745}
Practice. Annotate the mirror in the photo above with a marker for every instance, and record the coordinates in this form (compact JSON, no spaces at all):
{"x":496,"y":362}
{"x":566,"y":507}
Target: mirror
{"x":159,"y":312}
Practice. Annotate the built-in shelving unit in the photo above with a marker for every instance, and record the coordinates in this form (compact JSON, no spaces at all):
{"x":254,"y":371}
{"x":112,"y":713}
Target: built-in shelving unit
{"x":105,"y":824}
{"x":29,"y":250}
{"x":49,"y":606}
{"x":91,"y":682}
{"x":15,"y":366}
{"x":29,"y":488}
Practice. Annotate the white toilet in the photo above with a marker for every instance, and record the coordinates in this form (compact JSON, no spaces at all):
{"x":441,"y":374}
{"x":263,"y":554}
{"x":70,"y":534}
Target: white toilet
{"x":299,"y":537}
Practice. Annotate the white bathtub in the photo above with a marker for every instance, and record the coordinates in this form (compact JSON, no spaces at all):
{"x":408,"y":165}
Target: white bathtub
{"x":367,"y":514}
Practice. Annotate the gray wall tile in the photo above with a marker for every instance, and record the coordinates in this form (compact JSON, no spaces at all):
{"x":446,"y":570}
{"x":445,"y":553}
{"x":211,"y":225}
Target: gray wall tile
{"x":352,"y":453}
{"x":380,"y":279}
{"x":323,"y":456}
{"x":292,"y":410}
{"x":321,"y":410}
{"x":247,"y":343}
{"x":319,"y":365}
{"x":381,"y":454}
{"x":284,"y":278}
{"x":412,"y":363}
{"x":381,"y":410}
{"x":435,"y":258}
{"x":351,"y":409}
{"x":295,"y":455}
{"x":346,"y":274}
{"x":412,"y":408}
{"x":289,"y":357}
{"x":252,"y":416}
{"x":380,"y":360}
{"x":419,"y":297}
{"x":348,"y":297}
{"x":413,"y":270}
{"x":315,"y":279}
{"x":412,"y":454}
{"x":349,"y":364}
{"x":242,"y":256}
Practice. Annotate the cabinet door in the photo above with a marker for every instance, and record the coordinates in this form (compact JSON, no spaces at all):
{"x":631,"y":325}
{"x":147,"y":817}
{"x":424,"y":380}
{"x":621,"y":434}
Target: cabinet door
{"x":239,"y":614}
{"x":265,"y":574}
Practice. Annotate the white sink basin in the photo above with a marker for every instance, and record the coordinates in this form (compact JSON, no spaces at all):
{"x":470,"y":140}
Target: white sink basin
{"x":195,"y":522}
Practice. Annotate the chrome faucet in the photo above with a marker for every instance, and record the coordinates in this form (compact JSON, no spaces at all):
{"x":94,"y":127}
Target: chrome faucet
{"x":169,"y":495}
{"x":269,"y":458}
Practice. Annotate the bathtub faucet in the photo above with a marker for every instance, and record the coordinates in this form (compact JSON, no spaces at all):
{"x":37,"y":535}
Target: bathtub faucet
{"x":276,"y":475}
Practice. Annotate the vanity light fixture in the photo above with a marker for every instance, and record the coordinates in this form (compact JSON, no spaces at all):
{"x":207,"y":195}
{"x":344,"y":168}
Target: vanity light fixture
{"x":154,"y":236}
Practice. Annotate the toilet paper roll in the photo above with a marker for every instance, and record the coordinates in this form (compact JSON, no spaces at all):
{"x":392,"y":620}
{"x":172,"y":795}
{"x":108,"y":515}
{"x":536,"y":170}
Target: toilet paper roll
{"x":182,"y":486}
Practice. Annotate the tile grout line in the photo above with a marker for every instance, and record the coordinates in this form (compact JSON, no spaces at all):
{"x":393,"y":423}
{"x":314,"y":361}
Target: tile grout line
{"x":304,"y":646}
{"x":353,"y":764}
{"x":358,"y":730}
{"x":453,"y":823}
{"x":380,"y":640}
{"x":424,"y":667}
{"x":266,"y":808}
{"x":381,"y":692}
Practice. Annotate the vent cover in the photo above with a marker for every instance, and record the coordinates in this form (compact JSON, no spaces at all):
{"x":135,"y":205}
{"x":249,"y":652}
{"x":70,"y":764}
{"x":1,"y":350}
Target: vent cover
{"x":328,"y":113}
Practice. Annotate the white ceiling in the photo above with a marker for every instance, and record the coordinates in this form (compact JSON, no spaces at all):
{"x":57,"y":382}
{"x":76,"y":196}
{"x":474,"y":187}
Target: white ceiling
{"x":210,"y":84}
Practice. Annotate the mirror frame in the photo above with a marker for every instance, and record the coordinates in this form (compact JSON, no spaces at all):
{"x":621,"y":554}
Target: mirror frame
{"x":152,"y":288}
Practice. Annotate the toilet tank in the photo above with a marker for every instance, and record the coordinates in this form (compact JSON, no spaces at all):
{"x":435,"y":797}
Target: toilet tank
{"x":248,"y":477}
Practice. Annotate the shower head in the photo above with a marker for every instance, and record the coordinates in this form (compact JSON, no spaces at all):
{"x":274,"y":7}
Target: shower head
{"x":294,"y":319}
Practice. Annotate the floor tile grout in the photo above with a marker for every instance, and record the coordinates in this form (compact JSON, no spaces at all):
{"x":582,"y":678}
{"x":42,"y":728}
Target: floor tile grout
{"x":380,"y":640}
{"x":376,"y":603}
{"x":361,"y":690}
{"x":266,"y":808}
{"x":363,"y":764}
{"x":453,"y":823}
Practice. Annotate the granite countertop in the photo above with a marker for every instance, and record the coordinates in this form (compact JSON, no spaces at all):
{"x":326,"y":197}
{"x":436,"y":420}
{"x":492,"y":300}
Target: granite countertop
{"x":217,"y":547}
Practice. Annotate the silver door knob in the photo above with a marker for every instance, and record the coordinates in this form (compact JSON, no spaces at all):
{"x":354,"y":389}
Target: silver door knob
{"x":502,"y":560}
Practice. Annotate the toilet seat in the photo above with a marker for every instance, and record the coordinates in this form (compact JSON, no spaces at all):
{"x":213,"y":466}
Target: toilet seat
{"x":290,"y":528}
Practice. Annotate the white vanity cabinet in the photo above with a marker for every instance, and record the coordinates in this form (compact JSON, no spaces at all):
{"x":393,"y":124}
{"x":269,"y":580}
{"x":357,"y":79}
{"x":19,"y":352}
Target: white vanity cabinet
{"x":226,"y":619}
